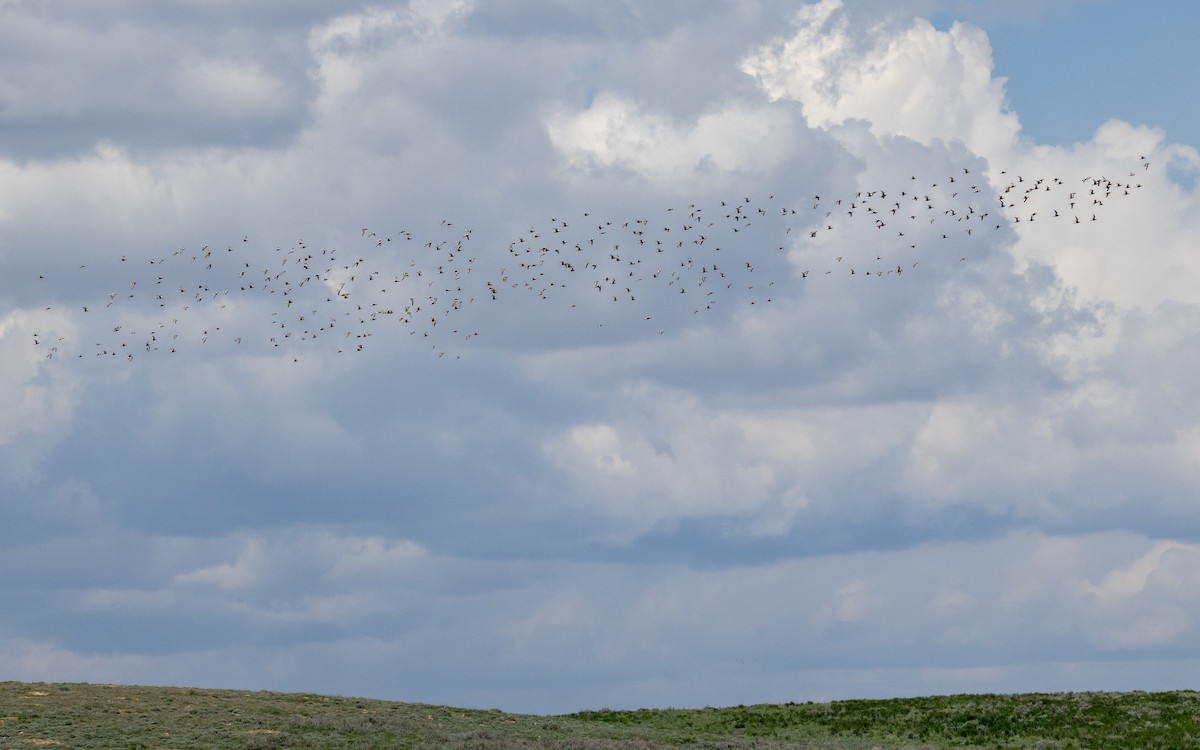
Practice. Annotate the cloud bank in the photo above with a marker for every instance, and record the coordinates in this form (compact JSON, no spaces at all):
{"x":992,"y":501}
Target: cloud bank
{"x":978,"y":475}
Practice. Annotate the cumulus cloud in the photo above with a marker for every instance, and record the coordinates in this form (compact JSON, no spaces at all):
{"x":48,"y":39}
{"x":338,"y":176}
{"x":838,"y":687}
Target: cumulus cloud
{"x":977,"y":475}
{"x":911,"y":80}
{"x":668,"y":457}
{"x":613,"y":132}
{"x":1022,"y":452}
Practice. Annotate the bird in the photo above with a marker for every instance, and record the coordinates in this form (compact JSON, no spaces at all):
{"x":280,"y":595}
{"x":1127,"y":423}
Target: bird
{"x":306,"y":293}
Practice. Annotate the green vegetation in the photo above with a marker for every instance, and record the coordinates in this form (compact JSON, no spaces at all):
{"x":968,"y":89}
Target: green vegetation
{"x":1063,"y":720}
{"x":149,"y":718}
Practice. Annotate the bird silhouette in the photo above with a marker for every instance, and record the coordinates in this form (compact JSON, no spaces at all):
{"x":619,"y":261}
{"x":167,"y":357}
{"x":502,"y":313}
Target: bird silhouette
{"x":433,"y":288}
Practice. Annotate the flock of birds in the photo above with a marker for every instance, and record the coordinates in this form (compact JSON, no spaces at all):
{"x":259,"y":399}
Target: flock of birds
{"x":650,"y":269}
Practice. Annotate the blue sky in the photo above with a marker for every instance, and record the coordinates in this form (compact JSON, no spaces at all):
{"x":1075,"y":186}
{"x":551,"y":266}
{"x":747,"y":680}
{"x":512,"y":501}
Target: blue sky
{"x":1075,"y":64}
{"x":549,"y":355}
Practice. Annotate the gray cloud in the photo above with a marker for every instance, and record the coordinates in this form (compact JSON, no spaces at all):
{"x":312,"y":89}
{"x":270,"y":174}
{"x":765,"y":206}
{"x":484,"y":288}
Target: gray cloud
{"x":590,"y":503}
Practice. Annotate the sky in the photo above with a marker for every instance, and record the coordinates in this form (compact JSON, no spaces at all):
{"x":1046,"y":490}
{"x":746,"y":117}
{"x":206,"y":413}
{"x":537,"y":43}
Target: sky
{"x":508,"y":354}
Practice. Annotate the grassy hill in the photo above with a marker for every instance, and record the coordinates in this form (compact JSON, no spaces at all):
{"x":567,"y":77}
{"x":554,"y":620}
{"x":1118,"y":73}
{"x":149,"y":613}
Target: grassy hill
{"x":111,"y":716}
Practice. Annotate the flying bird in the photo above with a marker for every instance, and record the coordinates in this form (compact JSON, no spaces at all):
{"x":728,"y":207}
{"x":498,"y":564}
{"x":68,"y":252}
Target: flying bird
{"x":428,"y":287}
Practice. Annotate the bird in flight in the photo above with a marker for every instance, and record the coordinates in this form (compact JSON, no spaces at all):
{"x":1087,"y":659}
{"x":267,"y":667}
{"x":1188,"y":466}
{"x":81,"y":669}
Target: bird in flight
{"x":449,"y":286}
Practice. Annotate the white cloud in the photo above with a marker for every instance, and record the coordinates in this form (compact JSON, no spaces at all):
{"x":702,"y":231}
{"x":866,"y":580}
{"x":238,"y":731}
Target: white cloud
{"x":671,"y":457}
{"x":41,"y":395}
{"x":916,"y":81}
{"x":614,"y":132}
{"x":249,"y":570}
{"x":523,"y":513}
{"x":1135,"y":255}
{"x":247,"y":87}
{"x":371,"y":557}
{"x":1150,"y":603}
{"x":263,"y":563}
{"x":978,"y":453}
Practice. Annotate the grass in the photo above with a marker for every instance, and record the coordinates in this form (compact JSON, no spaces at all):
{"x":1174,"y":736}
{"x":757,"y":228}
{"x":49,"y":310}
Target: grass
{"x":152,"y":718}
